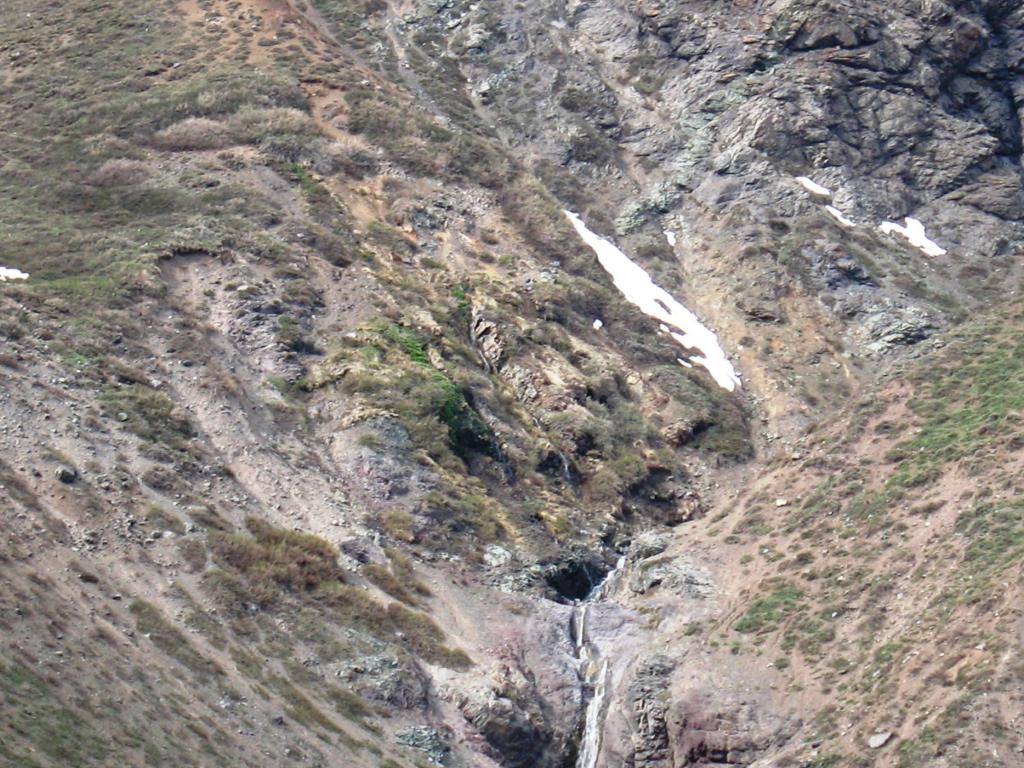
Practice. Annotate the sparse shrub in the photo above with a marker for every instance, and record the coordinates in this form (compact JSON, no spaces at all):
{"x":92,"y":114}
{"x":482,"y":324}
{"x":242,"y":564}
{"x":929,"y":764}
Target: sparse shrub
{"x":148,"y":413}
{"x":209,"y":518}
{"x":374,"y":118}
{"x":120,"y":172}
{"x":299,"y":707}
{"x":347,"y":704}
{"x":193,"y":552}
{"x":539,"y":218}
{"x":461,"y":514}
{"x":402,"y":567}
{"x":577,"y":100}
{"x":163,"y":479}
{"x":354,"y":155}
{"x":388,"y":239}
{"x":253,"y":124}
{"x":475,"y":159}
{"x":159,"y":519}
{"x":416,"y":631}
{"x":299,"y":148}
{"x":578,"y":427}
{"x":290,"y":335}
{"x":274,"y":559}
{"x":399,"y":580}
{"x":425,"y":638}
{"x":400,"y":525}
{"x":648,"y":83}
{"x":814,"y":636}
{"x":193,"y":133}
{"x":616,"y":478}
{"x":239,"y":593}
{"x":588,"y":145}
{"x":382,"y":577}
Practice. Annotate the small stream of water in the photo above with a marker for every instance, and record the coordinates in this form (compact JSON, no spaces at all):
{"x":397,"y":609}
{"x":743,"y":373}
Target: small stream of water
{"x":702,"y":348}
{"x":593,"y":670}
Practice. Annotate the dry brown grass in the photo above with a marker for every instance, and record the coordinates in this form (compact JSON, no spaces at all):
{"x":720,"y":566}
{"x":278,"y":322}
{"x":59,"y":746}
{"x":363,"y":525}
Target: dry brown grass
{"x":120,"y":172}
{"x":274,"y":557}
{"x":193,"y":133}
{"x":253,"y":124}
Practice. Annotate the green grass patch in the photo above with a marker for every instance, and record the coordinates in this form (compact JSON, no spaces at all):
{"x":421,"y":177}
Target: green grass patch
{"x":150,"y":622}
{"x":32,"y":716}
{"x":82,"y":207}
{"x":972,"y":398}
{"x":148,"y":413}
{"x":767,"y":612}
{"x":434,"y":408}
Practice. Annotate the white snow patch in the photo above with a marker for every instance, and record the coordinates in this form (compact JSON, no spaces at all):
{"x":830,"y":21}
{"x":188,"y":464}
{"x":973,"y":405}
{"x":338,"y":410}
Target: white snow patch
{"x":671,"y":237}
{"x":637,"y":287}
{"x":598,"y":325}
{"x":683,"y":363}
{"x":838,"y":215}
{"x":813,"y":187}
{"x":914,"y":232}
{"x":6,"y":273}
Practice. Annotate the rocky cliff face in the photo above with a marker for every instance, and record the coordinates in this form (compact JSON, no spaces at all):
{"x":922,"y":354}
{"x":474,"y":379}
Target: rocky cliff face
{"x":696,"y":118}
{"x":321,"y":420}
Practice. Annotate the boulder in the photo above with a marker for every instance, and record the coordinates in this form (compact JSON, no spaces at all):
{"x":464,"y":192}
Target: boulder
{"x":648,"y":544}
{"x":879,"y":740}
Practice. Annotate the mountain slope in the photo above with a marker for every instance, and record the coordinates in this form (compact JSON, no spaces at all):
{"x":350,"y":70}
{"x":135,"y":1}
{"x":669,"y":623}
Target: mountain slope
{"x":866,"y":584}
{"x":320,"y":417}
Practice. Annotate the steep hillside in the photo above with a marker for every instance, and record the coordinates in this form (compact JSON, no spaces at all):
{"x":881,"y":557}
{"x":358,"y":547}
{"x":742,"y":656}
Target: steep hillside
{"x":866,"y":586}
{"x":322,"y":421}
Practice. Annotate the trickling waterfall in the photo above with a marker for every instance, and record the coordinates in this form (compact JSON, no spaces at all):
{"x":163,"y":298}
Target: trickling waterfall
{"x":590,"y":743}
{"x":593,"y":670}
{"x":568,"y":472}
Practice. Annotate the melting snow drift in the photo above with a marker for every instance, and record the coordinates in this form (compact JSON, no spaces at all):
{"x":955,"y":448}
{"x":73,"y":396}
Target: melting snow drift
{"x":914,"y":232}
{"x":6,"y":273}
{"x":839,"y":216}
{"x":813,"y":187}
{"x":670,"y":236}
{"x":637,"y":287}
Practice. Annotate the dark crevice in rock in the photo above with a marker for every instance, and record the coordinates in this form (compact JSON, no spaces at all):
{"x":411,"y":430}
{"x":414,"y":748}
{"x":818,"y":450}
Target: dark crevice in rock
{"x":557,"y":465}
{"x":574,"y":579}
